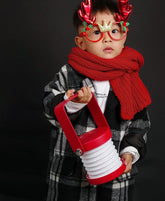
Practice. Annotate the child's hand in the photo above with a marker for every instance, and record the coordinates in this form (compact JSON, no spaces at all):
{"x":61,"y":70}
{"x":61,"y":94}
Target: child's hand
{"x":84,"y":95}
{"x":127,"y":158}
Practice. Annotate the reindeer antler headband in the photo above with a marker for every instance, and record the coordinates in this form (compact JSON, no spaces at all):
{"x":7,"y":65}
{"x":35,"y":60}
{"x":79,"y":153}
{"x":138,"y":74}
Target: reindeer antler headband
{"x":125,"y":10}
{"x":85,"y":13}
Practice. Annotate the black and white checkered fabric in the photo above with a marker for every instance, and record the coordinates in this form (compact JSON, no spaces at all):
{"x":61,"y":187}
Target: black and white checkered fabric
{"x":67,"y":176}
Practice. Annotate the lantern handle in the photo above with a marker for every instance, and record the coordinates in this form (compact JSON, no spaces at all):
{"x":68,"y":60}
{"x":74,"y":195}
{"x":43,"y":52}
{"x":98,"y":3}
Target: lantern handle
{"x":67,"y":126}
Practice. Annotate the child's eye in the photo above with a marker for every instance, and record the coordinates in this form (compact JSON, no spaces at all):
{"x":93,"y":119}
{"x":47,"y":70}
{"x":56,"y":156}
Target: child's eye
{"x":115,"y":30}
{"x":97,"y":32}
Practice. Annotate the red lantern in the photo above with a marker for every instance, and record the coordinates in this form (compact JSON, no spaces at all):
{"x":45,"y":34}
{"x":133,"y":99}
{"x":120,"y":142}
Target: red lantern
{"x":95,"y":148}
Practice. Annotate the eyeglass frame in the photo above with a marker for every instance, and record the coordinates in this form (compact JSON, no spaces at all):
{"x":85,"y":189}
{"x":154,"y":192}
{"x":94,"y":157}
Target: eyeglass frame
{"x":89,"y":26}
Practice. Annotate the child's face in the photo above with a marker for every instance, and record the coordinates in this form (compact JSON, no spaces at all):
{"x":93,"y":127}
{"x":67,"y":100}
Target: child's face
{"x":106,"y":48}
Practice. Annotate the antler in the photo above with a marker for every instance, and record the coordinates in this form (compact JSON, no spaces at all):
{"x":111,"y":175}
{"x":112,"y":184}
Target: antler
{"x":86,"y":11}
{"x":125,"y":10}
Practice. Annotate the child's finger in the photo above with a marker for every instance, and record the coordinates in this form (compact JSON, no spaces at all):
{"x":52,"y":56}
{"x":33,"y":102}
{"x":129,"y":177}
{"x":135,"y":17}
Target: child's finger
{"x":84,"y":90}
{"x":127,"y":158}
{"x":70,"y":92}
{"x":87,"y":93}
{"x":128,"y":167}
{"x":80,"y":93}
{"x":89,"y":90}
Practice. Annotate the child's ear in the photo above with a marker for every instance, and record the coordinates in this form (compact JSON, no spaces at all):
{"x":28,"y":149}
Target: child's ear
{"x":80,"y":42}
{"x":124,"y":40}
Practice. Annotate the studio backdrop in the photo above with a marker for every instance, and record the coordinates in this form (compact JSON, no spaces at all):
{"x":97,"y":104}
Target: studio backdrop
{"x":36,"y":38}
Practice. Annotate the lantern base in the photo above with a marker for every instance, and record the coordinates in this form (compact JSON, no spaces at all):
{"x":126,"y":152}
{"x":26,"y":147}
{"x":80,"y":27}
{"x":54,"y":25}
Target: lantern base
{"x":108,"y":177}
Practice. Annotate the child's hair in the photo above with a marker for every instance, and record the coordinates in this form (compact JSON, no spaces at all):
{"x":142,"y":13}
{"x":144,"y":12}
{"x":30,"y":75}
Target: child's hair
{"x":97,"y":5}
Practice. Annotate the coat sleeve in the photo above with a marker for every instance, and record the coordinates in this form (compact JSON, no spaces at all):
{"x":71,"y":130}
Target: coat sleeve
{"x":54,"y":93}
{"x":136,"y":134}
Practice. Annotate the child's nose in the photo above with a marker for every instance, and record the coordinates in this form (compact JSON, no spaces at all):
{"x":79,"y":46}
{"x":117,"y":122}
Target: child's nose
{"x":106,"y":37}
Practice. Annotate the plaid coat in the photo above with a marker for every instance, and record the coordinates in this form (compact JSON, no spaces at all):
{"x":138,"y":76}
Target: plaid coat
{"x":67,"y":176}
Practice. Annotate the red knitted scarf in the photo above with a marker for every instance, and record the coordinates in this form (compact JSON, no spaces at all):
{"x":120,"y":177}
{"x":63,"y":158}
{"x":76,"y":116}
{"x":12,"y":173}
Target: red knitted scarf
{"x":121,"y":71}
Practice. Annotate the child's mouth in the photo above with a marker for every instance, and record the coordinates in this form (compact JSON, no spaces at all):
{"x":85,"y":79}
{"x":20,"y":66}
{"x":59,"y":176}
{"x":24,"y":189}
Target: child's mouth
{"x":108,"y":50}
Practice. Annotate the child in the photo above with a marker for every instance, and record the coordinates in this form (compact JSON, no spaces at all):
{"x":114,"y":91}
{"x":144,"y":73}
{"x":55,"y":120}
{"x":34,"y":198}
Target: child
{"x":100,"y":63}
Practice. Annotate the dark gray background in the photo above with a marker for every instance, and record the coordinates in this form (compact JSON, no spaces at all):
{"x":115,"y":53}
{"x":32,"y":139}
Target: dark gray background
{"x":36,"y":37}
